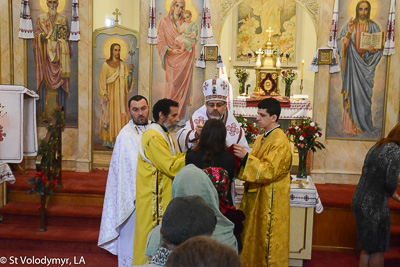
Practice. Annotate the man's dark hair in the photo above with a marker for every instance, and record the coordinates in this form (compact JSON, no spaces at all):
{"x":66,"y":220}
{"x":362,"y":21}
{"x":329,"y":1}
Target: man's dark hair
{"x":164,"y":105}
{"x":272,"y":106}
{"x":187,"y":217}
{"x":136,"y":98}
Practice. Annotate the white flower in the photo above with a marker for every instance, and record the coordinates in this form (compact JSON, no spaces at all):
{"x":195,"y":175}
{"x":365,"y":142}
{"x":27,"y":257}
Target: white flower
{"x":296,"y":128}
{"x":312,"y":124}
{"x":316,"y":135}
{"x":301,"y":138}
{"x":240,"y":124}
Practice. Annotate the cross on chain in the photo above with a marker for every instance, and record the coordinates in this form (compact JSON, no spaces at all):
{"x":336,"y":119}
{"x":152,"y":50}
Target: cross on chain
{"x":116,"y":13}
{"x":269,"y":31}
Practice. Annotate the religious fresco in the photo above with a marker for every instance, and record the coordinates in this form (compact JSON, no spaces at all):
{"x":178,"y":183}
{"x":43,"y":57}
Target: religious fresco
{"x":357,"y":92}
{"x":174,"y":75}
{"x":115,"y":80}
{"x":53,"y":75}
{"x":254,"y":18}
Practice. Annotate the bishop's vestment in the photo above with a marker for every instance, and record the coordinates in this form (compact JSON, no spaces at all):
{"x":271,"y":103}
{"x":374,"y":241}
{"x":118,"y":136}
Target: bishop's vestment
{"x":266,"y":201}
{"x":234,"y":133}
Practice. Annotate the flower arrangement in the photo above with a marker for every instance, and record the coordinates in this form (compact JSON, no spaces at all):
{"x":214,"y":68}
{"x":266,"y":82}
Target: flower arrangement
{"x":288,"y":76}
{"x":242,"y":75}
{"x":304,"y":135}
{"x":251,"y":131}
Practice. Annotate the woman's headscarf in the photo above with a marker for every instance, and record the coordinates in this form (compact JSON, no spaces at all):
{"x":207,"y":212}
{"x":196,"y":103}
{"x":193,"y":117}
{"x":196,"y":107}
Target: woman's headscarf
{"x":193,"y":181}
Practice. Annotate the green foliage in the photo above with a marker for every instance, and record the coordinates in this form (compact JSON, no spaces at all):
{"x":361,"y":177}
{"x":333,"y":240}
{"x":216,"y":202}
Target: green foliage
{"x":251,"y":130}
{"x":49,"y":155}
{"x":304,"y":135}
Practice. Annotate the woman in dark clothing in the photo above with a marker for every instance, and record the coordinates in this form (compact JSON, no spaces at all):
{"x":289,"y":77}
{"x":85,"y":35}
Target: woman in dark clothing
{"x":211,"y":151}
{"x":211,"y":154}
{"x":370,"y":203}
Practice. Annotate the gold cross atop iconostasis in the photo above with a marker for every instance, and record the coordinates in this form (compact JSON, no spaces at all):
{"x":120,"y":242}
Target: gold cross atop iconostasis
{"x":116,"y":13}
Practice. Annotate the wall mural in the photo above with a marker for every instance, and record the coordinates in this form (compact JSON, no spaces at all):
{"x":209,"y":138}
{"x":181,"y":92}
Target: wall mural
{"x":115,"y":75}
{"x":174,"y":73}
{"x":357,"y":93}
{"x":254,"y":17}
{"x":52,"y":60}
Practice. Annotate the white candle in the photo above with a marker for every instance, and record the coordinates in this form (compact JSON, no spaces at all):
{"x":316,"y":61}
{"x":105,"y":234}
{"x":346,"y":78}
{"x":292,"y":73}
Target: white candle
{"x":302,"y":68}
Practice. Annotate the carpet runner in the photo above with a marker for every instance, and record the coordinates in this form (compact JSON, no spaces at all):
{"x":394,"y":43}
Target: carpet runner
{"x":74,"y":215}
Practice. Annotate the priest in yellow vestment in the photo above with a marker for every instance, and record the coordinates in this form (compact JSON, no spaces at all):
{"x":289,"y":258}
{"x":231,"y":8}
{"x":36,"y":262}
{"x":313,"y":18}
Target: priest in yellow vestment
{"x":266,"y":198}
{"x":157,"y":166}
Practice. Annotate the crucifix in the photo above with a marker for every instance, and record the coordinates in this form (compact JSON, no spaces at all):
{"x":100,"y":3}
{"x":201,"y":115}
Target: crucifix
{"x":117,"y":13}
{"x":269,"y":31}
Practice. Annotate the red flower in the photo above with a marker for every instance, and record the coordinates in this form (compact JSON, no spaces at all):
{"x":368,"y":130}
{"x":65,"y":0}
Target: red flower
{"x":45,"y":180}
{"x":304,"y":134}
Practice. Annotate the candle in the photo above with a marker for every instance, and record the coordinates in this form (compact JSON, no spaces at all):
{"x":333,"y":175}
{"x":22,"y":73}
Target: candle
{"x":229,"y":71}
{"x":302,"y":68}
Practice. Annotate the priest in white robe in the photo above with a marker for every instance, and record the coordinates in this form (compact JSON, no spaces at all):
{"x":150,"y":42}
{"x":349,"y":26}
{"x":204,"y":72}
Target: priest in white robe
{"x":118,"y":219}
{"x":215,"y":93}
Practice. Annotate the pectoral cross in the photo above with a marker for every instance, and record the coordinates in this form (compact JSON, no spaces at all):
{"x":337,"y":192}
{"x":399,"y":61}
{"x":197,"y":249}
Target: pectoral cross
{"x":269,"y":31}
{"x":116,"y":13}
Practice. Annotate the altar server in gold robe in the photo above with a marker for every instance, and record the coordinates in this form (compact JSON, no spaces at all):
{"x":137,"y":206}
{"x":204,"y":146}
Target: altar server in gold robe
{"x":158,"y":164}
{"x":266,"y":198}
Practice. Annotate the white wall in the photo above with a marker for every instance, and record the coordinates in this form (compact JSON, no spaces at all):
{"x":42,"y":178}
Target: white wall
{"x":129,"y":9}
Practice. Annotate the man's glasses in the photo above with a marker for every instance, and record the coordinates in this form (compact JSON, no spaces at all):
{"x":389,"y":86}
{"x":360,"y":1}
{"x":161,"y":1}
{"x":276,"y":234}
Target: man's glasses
{"x":218,"y":105}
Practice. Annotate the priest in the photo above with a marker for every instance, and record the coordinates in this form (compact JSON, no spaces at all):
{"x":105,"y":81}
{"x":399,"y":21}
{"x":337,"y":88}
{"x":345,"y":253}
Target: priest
{"x":215,"y":93}
{"x":266,"y":198}
{"x":157,"y":166}
{"x":118,"y":220}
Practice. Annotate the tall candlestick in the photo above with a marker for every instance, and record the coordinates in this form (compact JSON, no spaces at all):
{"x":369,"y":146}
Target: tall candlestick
{"x":229,"y":71}
{"x":302,"y":68}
